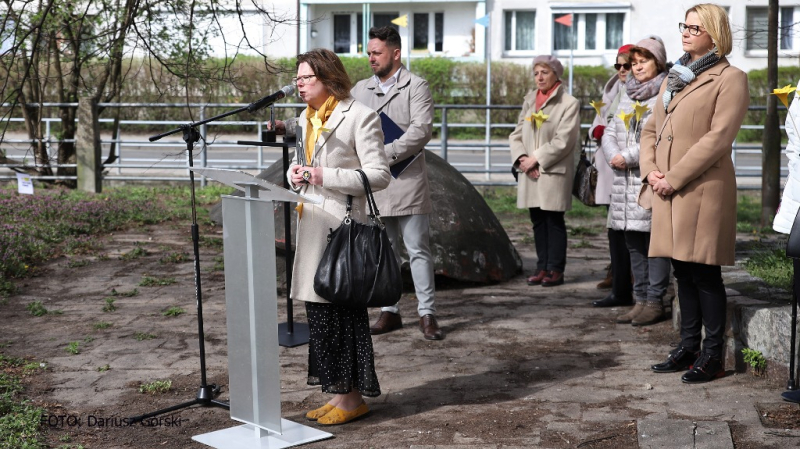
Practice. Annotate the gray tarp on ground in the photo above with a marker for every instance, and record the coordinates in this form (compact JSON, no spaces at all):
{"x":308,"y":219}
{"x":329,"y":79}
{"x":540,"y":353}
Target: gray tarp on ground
{"x":467,"y":240}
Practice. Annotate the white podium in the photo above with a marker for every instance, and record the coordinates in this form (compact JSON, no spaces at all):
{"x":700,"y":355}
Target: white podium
{"x":252,"y":321}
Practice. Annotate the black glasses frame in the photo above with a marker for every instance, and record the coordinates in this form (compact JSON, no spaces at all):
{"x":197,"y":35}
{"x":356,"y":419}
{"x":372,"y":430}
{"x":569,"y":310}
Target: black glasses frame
{"x":694,"y":30}
{"x":305,"y":79}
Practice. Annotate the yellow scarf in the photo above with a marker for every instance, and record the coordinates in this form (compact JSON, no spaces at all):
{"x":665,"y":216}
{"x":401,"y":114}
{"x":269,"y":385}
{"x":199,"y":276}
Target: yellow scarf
{"x":316,"y":121}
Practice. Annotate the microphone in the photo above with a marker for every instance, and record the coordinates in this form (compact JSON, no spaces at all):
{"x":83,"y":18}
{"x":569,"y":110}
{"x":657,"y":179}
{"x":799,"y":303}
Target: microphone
{"x":269,"y":99}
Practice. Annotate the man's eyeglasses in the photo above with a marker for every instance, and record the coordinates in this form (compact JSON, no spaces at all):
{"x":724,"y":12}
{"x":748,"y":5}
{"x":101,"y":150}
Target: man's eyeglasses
{"x":694,"y":30}
{"x":302,"y":80}
{"x":626,"y":66}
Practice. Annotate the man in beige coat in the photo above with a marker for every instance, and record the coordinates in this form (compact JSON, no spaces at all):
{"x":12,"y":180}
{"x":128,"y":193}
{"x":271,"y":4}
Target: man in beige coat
{"x":404,"y":99}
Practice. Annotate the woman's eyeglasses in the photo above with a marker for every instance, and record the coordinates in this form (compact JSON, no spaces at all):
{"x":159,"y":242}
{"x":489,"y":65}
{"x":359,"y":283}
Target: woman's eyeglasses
{"x":625,"y":66}
{"x":694,"y":30}
{"x":302,"y":80}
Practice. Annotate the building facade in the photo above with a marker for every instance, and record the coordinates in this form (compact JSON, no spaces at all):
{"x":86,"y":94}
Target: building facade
{"x":518,"y":30}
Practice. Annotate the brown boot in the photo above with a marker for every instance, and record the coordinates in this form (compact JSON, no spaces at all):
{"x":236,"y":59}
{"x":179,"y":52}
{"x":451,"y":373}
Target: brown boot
{"x":430,"y":328}
{"x":605,"y":283}
{"x":387,"y":322}
{"x":633,"y":313}
{"x":653,"y":313}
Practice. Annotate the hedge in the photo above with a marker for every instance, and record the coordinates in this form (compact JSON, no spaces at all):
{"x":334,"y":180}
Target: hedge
{"x":451,"y":82}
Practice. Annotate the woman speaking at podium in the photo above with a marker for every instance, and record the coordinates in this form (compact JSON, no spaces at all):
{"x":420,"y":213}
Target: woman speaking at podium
{"x":340,"y":135}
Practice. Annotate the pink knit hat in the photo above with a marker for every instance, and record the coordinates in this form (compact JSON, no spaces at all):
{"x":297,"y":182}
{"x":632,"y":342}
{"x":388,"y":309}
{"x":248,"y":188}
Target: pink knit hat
{"x":550,"y":61}
{"x":654,"y":45}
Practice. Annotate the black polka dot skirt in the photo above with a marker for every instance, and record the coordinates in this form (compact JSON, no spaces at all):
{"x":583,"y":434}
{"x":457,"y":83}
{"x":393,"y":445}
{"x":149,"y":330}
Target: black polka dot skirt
{"x":340,"y":356}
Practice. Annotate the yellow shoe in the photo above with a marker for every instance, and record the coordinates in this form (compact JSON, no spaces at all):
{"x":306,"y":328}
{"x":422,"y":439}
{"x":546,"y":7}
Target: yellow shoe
{"x":314,"y":415}
{"x":338,"y":416}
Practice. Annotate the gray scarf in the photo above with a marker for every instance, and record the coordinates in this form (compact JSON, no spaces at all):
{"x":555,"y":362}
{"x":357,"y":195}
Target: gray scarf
{"x":681,"y":74}
{"x":646,"y":90}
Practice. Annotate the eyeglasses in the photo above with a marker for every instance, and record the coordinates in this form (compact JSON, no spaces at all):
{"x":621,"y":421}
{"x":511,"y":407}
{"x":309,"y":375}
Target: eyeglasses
{"x":625,"y":66}
{"x":302,"y":80}
{"x":694,"y":30}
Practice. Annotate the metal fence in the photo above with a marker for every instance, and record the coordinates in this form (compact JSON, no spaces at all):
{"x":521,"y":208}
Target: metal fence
{"x":484,"y":161}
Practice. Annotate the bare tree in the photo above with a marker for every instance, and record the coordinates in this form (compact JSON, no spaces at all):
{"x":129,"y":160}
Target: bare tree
{"x":60,"y":51}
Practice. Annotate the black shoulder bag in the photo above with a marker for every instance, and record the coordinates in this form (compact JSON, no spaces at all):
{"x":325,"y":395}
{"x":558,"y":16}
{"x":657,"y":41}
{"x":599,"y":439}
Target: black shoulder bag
{"x":358,"y":268}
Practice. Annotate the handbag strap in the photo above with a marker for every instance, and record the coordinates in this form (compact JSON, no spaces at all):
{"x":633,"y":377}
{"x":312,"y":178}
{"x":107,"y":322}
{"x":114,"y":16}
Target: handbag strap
{"x":374,"y":214}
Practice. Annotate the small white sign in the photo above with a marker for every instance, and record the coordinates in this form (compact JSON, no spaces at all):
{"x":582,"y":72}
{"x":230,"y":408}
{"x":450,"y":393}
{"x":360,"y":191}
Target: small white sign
{"x":25,"y":183}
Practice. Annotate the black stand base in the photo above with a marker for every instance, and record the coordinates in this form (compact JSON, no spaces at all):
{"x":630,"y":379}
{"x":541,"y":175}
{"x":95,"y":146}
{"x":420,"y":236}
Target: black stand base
{"x":204,"y":397}
{"x":298,"y":336}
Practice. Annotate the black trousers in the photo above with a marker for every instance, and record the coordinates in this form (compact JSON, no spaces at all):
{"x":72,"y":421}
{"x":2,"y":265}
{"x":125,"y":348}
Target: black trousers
{"x":550,"y":237}
{"x":620,"y":265}
{"x":701,"y":295}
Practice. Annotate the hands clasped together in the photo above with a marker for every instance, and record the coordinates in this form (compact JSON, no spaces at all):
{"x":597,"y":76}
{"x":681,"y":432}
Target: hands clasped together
{"x":530,"y":166}
{"x":659,"y":183}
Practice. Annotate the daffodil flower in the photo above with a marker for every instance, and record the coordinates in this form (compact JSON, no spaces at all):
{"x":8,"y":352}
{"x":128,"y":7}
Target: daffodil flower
{"x":783,"y":93}
{"x":639,"y":109}
{"x":626,"y":118}
{"x":316,"y":123}
{"x":597,"y":105}
{"x":537,"y":119}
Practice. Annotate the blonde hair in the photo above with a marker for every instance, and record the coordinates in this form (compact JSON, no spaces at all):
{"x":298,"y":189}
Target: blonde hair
{"x":715,"y":21}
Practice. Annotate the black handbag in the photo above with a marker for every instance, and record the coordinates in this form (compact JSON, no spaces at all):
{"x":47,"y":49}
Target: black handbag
{"x":584,"y":186}
{"x":358,"y":268}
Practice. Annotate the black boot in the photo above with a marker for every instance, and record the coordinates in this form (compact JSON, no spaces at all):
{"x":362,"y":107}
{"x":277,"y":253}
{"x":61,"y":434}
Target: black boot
{"x":613,"y":301}
{"x":706,"y":368}
{"x":679,"y":359}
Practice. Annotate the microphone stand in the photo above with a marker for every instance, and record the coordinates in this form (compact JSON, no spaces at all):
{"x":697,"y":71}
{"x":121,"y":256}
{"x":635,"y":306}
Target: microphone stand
{"x":206,"y":392}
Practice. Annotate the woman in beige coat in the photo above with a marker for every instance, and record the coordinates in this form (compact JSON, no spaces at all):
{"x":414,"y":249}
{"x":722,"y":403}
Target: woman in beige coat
{"x":544,"y":151}
{"x":341,"y":135}
{"x":686,"y":160}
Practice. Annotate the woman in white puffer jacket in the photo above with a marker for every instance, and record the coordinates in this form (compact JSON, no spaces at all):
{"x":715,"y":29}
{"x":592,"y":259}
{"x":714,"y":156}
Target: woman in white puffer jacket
{"x":621,"y":147}
{"x":790,"y":202}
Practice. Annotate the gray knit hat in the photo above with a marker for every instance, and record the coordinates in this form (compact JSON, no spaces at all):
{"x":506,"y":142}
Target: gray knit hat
{"x":654,"y":45}
{"x":550,"y":61}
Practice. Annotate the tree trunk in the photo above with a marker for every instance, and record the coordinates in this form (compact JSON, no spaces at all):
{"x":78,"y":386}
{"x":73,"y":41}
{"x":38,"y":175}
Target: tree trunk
{"x":771,"y":169}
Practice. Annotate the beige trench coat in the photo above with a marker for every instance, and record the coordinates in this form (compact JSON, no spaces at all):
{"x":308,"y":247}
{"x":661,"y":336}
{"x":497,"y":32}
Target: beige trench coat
{"x":355,"y":140}
{"x":410,"y":105}
{"x":698,"y":222}
{"x":557,"y":151}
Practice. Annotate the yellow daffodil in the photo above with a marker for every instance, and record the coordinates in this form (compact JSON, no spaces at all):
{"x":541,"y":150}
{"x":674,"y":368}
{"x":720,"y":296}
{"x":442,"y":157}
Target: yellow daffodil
{"x":537,"y":118}
{"x":597,"y":105}
{"x":639,"y":109}
{"x":783,"y":93}
{"x":316,"y":123}
{"x":626,"y":118}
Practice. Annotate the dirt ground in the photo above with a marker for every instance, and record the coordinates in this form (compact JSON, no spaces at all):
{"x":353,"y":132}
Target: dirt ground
{"x":519,"y":367}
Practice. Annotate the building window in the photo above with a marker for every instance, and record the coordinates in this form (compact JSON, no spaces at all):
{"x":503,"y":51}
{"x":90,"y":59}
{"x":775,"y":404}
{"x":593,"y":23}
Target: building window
{"x":615,"y":23}
{"x":385,"y":19}
{"x":758,"y":24}
{"x":520,"y":30}
{"x":589,"y":32}
{"x":348,"y":33}
{"x":341,"y":33}
{"x":438,"y":32}
{"x":420,"y":31}
{"x":426,"y":38}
